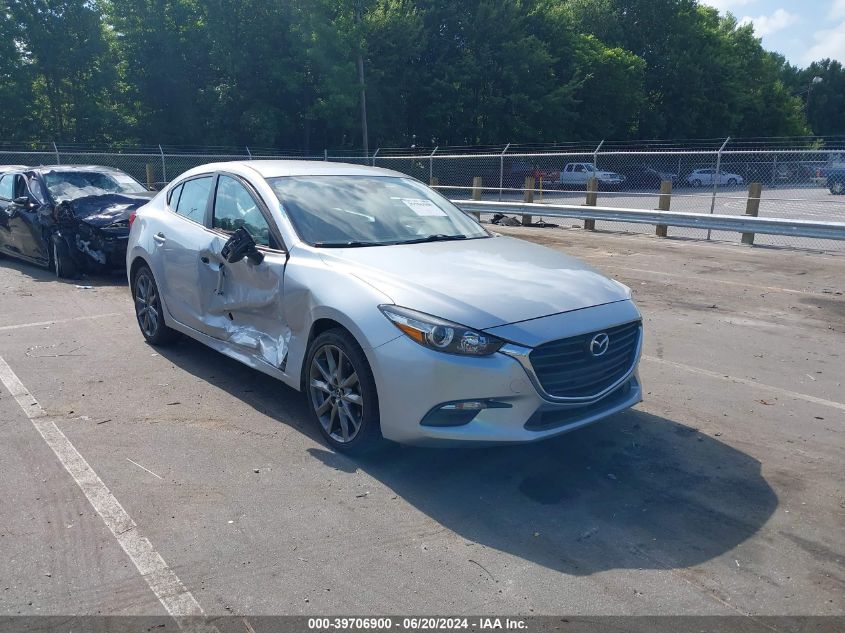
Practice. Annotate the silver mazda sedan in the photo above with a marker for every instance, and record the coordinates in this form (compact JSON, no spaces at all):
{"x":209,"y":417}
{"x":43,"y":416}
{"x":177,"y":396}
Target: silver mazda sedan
{"x":397,"y":314}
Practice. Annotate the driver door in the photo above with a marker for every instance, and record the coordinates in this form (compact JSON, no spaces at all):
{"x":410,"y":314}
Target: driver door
{"x":241,"y":302}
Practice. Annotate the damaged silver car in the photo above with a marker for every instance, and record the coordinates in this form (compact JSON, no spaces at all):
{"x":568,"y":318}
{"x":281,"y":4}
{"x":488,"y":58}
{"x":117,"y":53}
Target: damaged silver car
{"x":398,"y":315}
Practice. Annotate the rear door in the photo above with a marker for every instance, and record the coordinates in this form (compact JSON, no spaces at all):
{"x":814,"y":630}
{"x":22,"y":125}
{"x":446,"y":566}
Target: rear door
{"x":241,"y":302}
{"x":7,"y":210}
{"x":178,"y":244}
{"x":21,"y":230}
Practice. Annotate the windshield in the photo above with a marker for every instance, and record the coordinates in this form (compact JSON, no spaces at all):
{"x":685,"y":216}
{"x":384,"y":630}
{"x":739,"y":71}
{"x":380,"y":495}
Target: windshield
{"x":68,"y":185}
{"x":369,"y":211}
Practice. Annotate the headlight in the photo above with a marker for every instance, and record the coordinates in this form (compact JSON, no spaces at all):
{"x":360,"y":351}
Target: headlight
{"x":441,"y":335}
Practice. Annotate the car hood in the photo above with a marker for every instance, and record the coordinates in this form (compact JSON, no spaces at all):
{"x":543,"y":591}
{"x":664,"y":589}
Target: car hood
{"x":107,"y":209}
{"x":480,"y":283}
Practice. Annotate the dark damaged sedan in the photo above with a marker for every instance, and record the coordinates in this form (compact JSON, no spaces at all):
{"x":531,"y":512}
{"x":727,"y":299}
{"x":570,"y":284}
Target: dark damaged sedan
{"x":71,"y":218}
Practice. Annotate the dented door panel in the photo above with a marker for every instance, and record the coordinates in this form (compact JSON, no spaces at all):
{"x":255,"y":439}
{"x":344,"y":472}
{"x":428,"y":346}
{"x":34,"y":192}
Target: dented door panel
{"x":241,"y":303}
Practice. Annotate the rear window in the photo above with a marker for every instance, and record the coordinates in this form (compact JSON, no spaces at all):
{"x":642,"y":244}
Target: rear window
{"x":194,"y":199}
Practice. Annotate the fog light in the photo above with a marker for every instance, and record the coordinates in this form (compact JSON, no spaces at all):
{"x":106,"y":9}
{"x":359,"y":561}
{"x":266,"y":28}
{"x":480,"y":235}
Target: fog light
{"x":460,"y":412}
{"x":466,"y":405}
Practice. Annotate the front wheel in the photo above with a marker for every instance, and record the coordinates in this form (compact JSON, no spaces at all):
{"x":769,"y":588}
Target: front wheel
{"x":341,"y":392}
{"x":732,"y":182}
{"x":837,"y":188}
{"x":696,"y":183}
{"x":148,"y":309}
{"x":63,"y":264}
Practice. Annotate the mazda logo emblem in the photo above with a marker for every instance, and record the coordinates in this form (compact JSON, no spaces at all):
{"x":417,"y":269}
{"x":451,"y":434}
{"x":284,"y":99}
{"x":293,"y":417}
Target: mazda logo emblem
{"x":599,"y":344}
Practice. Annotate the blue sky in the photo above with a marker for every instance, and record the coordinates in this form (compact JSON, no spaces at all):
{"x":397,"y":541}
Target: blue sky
{"x":802,"y":31}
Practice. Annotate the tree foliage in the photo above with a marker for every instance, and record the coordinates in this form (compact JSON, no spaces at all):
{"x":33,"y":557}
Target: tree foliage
{"x":441,"y":72}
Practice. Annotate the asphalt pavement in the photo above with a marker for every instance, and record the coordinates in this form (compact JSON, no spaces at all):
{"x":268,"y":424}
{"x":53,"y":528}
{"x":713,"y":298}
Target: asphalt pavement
{"x":721,"y":494}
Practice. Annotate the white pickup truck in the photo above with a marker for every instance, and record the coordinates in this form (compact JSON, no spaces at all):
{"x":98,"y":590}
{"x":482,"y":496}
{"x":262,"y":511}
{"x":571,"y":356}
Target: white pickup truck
{"x":578,"y":174}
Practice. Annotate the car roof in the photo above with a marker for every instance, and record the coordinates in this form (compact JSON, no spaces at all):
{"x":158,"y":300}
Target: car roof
{"x":279,"y":168}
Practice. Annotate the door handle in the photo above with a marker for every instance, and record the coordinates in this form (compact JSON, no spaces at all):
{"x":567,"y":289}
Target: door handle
{"x":204,"y":259}
{"x":160,"y":238}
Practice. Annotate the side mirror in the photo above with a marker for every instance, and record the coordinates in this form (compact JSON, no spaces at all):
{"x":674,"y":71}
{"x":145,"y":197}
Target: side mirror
{"x":241,"y":245}
{"x":23,"y":201}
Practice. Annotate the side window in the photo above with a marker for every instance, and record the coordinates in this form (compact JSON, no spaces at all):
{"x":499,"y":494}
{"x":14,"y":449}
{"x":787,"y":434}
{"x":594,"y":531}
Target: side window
{"x":21,"y":190}
{"x":194,"y":199}
{"x":569,"y":168}
{"x":7,"y":186}
{"x":579,"y":168}
{"x":234,"y":208}
{"x":37,"y":189}
{"x":173,"y":197}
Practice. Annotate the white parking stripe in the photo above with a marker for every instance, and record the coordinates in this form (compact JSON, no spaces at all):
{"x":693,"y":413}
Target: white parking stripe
{"x":746,"y":381}
{"x":40,"y":323}
{"x":176,"y":599}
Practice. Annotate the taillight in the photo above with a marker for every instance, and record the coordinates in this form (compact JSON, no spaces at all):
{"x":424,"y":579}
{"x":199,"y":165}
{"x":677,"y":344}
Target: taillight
{"x":132,"y":215}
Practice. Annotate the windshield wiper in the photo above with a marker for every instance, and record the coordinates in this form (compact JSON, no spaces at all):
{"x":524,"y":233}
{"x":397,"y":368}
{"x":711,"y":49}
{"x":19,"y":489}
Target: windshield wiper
{"x":437,"y":237}
{"x":350,"y":244}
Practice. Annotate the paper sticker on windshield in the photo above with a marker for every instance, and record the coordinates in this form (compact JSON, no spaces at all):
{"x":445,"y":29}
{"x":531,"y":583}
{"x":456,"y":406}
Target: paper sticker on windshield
{"x":423,"y":207}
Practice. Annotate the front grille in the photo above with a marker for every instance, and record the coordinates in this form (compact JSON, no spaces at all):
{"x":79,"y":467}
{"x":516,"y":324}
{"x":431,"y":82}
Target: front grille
{"x":567,"y":369}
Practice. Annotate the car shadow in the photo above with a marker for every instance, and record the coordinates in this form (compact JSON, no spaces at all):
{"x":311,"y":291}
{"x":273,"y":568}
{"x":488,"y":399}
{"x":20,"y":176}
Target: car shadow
{"x":41,"y":275}
{"x":636,"y":491}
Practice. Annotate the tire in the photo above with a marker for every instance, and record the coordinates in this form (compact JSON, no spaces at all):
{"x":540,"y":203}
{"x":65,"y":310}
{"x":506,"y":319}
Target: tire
{"x":837,"y":187}
{"x":696,"y":183}
{"x":60,"y":260}
{"x":148,"y":310}
{"x":732,"y":182}
{"x":347,"y":416}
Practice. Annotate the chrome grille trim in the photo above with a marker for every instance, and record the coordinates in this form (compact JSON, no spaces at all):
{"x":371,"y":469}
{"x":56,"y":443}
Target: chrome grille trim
{"x":523,"y":356}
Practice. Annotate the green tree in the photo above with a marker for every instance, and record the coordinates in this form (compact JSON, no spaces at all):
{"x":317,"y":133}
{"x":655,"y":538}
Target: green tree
{"x":824,"y":101}
{"x":71,"y":66}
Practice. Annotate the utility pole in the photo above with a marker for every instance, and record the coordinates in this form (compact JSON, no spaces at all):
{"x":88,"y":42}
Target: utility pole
{"x":364,"y":135}
{"x":813,"y":82}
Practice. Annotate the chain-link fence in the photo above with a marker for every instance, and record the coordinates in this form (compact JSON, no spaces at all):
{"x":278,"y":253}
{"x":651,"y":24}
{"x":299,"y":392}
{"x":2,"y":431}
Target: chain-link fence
{"x":797,"y":176}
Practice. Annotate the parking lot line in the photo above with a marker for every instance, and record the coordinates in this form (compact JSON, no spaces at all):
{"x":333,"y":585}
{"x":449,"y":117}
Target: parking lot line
{"x":745,"y":381}
{"x":164,"y":583}
{"x":55,"y":321}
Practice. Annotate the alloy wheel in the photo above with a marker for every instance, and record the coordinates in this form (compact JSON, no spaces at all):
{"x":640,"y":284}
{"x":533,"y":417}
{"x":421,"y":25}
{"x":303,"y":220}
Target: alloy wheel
{"x":336,"y":393}
{"x":145,"y":305}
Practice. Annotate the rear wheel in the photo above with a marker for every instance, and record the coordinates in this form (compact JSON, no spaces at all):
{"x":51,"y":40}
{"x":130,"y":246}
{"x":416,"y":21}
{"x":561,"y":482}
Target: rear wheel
{"x":62,"y":263}
{"x":696,"y":183}
{"x":732,"y":182}
{"x":148,"y":309}
{"x":341,"y":393}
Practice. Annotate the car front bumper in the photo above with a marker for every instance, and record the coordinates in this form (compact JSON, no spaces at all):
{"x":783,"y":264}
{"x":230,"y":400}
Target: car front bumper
{"x":413,"y":381}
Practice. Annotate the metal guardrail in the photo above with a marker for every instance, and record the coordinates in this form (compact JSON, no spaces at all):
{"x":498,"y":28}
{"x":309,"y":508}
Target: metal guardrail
{"x":714,"y":222}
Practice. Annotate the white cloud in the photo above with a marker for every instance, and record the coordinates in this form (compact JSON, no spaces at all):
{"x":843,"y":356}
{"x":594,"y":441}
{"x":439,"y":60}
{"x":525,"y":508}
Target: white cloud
{"x":837,"y":10}
{"x":769,"y":24}
{"x":828,"y":43}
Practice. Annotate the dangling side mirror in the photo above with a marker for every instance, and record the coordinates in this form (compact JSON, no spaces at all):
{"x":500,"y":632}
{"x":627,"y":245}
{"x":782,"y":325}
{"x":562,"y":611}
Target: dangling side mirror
{"x":23,"y":201}
{"x":241,"y":245}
